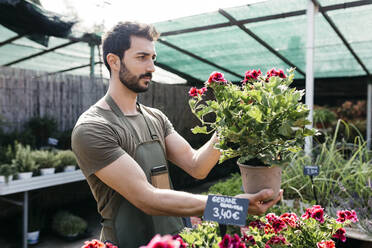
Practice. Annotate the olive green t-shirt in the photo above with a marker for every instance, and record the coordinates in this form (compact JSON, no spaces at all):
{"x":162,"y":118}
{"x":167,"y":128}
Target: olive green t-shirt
{"x":99,"y":139}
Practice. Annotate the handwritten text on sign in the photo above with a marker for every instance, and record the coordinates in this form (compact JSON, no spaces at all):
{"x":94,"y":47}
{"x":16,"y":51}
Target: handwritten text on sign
{"x":226,"y":210}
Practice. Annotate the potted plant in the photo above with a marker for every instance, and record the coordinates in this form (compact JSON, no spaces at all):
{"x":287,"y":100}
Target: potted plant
{"x":35,"y":224}
{"x":23,"y":161}
{"x":68,"y":226}
{"x":67,"y":160}
{"x":324,"y":117}
{"x":260,"y":120}
{"x":46,"y":160}
{"x":7,"y":171}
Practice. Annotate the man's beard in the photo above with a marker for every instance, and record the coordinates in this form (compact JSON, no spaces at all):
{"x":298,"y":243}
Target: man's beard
{"x":132,"y":81}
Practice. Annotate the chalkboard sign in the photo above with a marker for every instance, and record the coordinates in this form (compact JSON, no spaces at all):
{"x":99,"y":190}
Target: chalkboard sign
{"x":226,"y":210}
{"x":311,"y":170}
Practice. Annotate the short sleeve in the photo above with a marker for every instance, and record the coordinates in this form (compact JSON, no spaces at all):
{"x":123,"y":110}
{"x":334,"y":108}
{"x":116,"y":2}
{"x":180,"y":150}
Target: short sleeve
{"x":95,"y":146}
{"x":168,"y":126}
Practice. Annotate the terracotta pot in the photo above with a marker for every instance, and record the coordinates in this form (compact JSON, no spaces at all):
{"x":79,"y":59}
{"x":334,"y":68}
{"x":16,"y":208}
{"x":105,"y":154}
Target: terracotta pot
{"x":256,"y":178}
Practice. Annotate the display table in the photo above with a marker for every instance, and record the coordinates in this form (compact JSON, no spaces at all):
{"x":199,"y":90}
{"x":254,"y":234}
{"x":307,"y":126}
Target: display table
{"x":39,"y":182}
{"x":366,"y":240}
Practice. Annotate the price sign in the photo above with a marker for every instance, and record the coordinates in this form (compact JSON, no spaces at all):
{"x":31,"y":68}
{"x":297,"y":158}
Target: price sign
{"x":226,"y":210}
{"x":311,"y":170}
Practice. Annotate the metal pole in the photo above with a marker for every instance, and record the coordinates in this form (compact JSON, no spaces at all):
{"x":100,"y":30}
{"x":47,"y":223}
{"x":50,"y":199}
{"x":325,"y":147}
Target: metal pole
{"x":369,"y":115}
{"x":91,"y":61}
{"x":25,"y":219}
{"x":309,"y":97}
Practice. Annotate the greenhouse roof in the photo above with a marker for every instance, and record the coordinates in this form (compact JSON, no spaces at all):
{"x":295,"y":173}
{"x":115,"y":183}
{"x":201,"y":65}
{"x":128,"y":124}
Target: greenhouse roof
{"x":269,"y":34}
{"x":261,"y":36}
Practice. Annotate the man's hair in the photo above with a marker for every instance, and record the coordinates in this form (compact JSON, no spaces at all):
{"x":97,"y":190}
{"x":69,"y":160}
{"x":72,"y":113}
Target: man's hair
{"x":117,"y":40}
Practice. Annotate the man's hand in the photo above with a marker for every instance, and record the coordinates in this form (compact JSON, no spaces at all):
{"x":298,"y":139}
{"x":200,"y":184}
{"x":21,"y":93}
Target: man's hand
{"x":257,"y":202}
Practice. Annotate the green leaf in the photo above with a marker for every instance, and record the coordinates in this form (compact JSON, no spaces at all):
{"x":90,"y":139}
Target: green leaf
{"x":255,"y":113}
{"x":198,"y":129}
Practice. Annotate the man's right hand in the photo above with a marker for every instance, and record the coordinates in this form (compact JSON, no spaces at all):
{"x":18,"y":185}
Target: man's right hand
{"x":258,"y":203}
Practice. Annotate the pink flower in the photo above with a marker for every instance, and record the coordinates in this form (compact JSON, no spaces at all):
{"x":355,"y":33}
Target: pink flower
{"x":344,"y":215}
{"x":195,"y":92}
{"x":326,"y":244}
{"x":340,"y":234}
{"x":251,"y":74}
{"x":180,"y":240}
{"x":162,"y":242}
{"x":216,"y":77}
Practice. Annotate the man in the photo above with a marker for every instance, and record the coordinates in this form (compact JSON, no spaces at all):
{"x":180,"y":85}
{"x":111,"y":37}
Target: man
{"x":118,"y":142}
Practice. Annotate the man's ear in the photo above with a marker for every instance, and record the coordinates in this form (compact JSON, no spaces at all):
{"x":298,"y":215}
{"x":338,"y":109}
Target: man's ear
{"x":114,"y":61}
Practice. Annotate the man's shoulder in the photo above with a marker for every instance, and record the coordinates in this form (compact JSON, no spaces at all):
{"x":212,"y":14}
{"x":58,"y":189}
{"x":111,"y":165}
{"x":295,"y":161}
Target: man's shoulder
{"x":93,"y":116}
{"x":153,"y":111}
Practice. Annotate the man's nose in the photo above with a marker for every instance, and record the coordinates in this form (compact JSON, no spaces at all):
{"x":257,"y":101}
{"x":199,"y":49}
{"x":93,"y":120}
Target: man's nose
{"x":151,"y":66}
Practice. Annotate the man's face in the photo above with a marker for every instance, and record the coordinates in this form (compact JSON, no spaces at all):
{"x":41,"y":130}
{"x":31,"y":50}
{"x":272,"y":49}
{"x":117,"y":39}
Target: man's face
{"x":137,"y":64}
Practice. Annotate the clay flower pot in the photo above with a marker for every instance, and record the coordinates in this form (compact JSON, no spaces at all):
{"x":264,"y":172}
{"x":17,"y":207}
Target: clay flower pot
{"x":256,"y":178}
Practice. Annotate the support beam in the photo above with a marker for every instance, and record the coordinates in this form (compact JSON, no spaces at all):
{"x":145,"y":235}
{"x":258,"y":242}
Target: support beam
{"x":334,"y":27}
{"x":259,"y":40}
{"x":309,"y":97}
{"x":198,"y":57}
{"x":40,"y":53}
{"x":91,"y":61}
{"x":72,"y":68}
{"x":10,"y":40}
{"x":369,"y":115}
{"x":269,"y":17}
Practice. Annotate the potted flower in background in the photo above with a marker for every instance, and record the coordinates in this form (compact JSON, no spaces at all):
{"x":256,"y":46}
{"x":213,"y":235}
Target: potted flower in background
{"x":35,"y":224}
{"x":46,"y":160}
{"x":7,"y":171}
{"x":68,"y":225}
{"x":261,"y":120}
{"x":23,"y":161}
{"x":67,"y":160}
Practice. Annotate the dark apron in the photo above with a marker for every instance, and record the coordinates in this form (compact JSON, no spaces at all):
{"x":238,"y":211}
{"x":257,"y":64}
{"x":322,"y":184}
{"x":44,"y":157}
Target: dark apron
{"x":131,"y":227}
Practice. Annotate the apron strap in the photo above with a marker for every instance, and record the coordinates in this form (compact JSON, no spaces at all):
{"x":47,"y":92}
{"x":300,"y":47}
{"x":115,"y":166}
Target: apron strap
{"x":149,"y":124}
{"x":115,"y":108}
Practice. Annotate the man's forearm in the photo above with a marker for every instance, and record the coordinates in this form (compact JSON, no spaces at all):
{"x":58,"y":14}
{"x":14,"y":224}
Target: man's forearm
{"x":206,"y":157}
{"x":174,"y":203}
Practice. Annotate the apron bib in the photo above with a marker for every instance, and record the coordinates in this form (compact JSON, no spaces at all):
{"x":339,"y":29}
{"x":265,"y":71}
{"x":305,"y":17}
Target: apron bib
{"x":131,"y":227}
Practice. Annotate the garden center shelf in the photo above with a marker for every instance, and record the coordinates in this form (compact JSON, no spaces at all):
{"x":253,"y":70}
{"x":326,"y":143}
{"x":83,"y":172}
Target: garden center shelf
{"x":38,"y":182}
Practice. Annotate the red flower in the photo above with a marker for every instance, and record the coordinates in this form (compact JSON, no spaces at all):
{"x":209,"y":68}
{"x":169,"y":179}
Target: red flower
{"x":195,"y":92}
{"x":344,"y":215}
{"x":316,"y":212}
{"x":231,"y":242}
{"x":276,"y":240}
{"x":273,"y":73}
{"x":340,"y":234}
{"x":326,"y":244}
{"x":269,"y":229}
{"x":162,"y":242}
{"x":249,"y":239}
{"x":257,"y":223}
{"x":93,"y":244}
{"x":216,"y":77}
{"x":290,"y":219}
{"x":251,"y":74}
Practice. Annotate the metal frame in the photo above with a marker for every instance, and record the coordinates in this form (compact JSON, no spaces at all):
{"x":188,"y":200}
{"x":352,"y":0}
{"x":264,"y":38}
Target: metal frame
{"x":259,"y":40}
{"x":197,"y":57}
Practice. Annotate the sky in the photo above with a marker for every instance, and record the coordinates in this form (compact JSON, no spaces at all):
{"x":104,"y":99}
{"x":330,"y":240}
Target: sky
{"x":109,"y":12}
